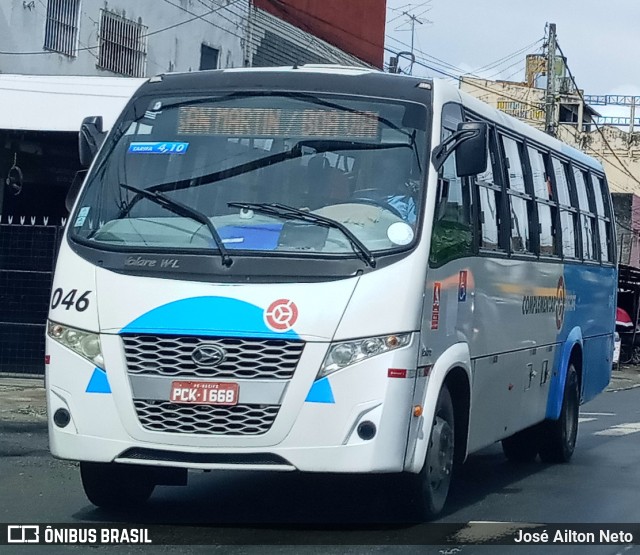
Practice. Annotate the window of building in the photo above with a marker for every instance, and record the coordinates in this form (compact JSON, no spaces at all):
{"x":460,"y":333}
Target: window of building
{"x":519,"y":200}
{"x":547,"y":211}
{"x":61,"y":28}
{"x":208,"y":57}
{"x":567,"y":213}
{"x":123,"y":45}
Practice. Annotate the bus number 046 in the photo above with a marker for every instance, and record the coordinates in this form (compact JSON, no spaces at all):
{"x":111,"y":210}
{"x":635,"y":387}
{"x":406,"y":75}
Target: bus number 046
{"x":69,"y":300}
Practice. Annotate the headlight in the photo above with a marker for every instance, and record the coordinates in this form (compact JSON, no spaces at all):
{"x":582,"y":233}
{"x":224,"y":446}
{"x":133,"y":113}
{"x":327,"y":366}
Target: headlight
{"x":85,"y":343}
{"x":345,"y":353}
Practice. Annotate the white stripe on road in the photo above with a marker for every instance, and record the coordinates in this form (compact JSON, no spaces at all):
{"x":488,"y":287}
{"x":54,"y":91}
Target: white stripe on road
{"x":620,"y":429}
{"x":598,"y":413}
{"x":586,"y":419}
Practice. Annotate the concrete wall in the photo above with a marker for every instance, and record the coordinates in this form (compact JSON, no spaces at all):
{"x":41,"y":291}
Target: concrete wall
{"x":22,"y":29}
{"x":627,"y":209}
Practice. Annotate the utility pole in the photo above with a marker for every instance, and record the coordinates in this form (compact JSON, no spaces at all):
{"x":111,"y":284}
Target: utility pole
{"x":414,"y":19}
{"x":550,"y":98}
{"x":248,"y":39}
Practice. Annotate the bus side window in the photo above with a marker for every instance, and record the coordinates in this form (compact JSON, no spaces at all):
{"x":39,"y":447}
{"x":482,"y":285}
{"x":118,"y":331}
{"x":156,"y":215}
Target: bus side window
{"x":547,"y":211}
{"x":567,"y":213}
{"x":452,"y":235}
{"x":586,"y":217}
{"x":490,"y":197}
{"x":604,"y":220}
{"x":519,"y":200}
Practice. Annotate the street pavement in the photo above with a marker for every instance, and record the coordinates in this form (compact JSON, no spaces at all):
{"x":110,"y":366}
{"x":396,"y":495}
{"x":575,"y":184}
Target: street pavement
{"x":22,"y":399}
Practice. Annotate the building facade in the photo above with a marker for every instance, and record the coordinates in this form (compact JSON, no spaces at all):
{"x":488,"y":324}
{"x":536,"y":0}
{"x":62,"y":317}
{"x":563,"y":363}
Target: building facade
{"x":148,"y":37}
{"x":86,"y":47}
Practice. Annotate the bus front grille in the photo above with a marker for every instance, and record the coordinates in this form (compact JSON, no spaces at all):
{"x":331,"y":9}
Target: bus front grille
{"x":241,"y":358}
{"x":164,"y":416}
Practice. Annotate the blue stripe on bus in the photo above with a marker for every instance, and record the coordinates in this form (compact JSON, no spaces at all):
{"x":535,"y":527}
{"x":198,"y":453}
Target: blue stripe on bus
{"x":99,"y":383}
{"x":207,"y":316}
{"x":320,"y":392}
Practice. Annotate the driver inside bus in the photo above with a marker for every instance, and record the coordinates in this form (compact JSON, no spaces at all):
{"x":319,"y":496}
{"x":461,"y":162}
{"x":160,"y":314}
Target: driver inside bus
{"x":392,"y":172}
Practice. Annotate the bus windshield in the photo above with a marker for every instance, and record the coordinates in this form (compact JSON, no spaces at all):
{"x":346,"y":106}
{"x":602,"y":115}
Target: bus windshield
{"x":259,"y":167}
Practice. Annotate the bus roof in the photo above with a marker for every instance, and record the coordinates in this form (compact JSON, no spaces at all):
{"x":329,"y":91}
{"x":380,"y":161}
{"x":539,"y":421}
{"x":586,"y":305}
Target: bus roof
{"x":505,"y":120}
{"x":61,"y":102}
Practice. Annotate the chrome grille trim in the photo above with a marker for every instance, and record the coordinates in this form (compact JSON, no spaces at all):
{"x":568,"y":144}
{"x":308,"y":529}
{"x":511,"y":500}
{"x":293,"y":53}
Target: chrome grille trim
{"x":244,"y":358}
{"x":165,"y":416}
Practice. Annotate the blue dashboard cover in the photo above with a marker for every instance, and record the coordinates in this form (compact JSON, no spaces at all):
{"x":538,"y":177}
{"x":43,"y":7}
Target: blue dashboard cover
{"x":255,"y":237}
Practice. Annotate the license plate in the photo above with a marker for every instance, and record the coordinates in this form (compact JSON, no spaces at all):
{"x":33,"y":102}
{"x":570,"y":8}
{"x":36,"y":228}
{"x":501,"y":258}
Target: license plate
{"x":204,"y":393}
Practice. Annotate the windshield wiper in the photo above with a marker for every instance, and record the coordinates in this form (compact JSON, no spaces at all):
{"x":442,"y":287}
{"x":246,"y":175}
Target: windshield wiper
{"x":296,"y":151}
{"x":291,"y":213}
{"x":184,"y":211}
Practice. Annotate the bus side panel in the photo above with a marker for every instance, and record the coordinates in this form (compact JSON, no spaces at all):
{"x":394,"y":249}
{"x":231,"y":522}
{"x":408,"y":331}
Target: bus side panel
{"x":597,"y":365}
{"x":588,"y":312}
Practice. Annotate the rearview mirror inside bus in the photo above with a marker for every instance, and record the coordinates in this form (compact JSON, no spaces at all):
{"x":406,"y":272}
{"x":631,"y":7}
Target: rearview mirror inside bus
{"x":470,"y":144}
{"x":91,"y":137}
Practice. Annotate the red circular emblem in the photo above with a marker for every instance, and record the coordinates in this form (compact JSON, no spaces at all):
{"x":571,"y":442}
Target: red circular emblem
{"x":281,"y":314}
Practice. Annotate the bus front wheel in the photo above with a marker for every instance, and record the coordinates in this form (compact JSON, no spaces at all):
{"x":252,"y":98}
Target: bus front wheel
{"x":435,"y":476}
{"x":116,"y":486}
{"x":558,"y":438}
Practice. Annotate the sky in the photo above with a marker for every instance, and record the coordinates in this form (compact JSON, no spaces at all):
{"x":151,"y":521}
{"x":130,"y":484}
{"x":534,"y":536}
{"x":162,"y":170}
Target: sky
{"x":600,"y":39}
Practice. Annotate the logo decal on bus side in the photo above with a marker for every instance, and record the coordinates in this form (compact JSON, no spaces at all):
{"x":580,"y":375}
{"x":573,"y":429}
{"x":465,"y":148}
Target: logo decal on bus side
{"x":281,"y":315}
{"x":435,"y":308}
{"x":558,"y":304}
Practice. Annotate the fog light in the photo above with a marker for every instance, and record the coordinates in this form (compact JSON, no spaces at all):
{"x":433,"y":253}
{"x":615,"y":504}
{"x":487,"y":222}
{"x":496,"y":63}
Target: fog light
{"x":366,"y":430}
{"x":61,"y":418}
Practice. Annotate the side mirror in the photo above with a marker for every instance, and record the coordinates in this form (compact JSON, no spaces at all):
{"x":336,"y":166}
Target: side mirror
{"x":72,"y":194}
{"x":90,"y":139}
{"x":470,"y":143}
{"x":472,"y":152}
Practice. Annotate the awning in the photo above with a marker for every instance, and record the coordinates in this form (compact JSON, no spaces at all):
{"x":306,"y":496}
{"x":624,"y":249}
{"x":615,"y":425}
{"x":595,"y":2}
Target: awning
{"x":61,"y":102}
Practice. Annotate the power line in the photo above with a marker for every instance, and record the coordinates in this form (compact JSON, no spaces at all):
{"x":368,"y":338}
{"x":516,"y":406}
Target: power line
{"x":508,"y":56}
{"x":599,"y":129}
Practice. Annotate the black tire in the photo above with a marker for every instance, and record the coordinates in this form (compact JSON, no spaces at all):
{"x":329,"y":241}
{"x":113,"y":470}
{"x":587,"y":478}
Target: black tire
{"x":558,"y":437}
{"x":436,"y":474}
{"x":116,"y":486}
{"x":523,"y":446}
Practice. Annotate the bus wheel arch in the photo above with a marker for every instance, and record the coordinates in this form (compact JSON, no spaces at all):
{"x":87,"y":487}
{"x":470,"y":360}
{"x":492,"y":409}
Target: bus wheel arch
{"x":447,"y":444}
{"x":558,"y":437}
{"x":457,"y":381}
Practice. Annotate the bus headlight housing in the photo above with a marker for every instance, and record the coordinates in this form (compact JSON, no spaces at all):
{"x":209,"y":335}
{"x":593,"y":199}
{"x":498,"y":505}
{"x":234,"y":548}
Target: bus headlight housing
{"x":84,"y":343}
{"x":341,"y":355}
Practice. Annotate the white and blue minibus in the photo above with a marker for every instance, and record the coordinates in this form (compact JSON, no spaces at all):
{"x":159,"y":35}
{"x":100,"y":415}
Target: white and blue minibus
{"x":329,"y":270}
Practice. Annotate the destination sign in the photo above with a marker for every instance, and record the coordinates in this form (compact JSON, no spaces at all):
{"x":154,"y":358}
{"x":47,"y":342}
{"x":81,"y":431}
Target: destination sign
{"x":276,"y":122}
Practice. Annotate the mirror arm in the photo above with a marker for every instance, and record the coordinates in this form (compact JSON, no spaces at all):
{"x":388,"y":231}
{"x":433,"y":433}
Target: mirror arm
{"x":446,"y":147}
